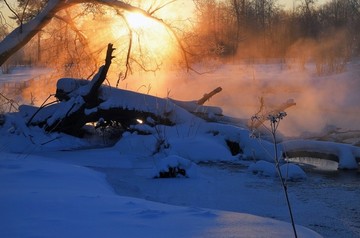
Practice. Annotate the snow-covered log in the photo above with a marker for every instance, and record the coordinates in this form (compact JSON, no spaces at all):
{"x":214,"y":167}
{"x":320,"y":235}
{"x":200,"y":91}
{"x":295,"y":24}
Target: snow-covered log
{"x":82,"y":101}
{"x":348,"y":156}
{"x":113,"y":104}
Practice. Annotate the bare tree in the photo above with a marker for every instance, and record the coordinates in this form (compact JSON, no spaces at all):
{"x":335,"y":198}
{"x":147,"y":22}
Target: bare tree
{"x":23,"y":34}
{"x":3,"y":31}
{"x":215,"y":28}
{"x":308,"y":18}
{"x":26,"y":10}
{"x":241,"y":9}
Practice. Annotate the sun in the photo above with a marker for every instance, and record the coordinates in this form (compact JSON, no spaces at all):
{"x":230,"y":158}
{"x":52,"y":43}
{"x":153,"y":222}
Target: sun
{"x":139,"y":21}
{"x":151,"y":40}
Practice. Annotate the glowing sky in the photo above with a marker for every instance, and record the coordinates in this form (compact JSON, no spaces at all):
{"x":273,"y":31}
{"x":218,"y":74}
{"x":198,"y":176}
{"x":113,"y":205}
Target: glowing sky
{"x":289,"y":3}
{"x":183,"y":7}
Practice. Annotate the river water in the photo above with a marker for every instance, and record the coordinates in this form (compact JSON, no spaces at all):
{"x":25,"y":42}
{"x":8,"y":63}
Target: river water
{"x":337,"y":192}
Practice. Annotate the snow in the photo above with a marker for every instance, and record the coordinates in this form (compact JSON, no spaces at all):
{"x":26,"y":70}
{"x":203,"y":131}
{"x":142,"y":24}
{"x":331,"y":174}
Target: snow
{"x":69,"y":85}
{"x":56,"y":191}
{"x":292,"y":172}
{"x":199,"y":149}
{"x":23,"y":74}
{"x":346,"y":153}
{"x":263,"y":168}
{"x":42,"y":197}
{"x":131,"y":144}
{"x":174,"y":161}
{"x":55,"y":185}
{"x":43,"y":180}
{"x":289,"y":171}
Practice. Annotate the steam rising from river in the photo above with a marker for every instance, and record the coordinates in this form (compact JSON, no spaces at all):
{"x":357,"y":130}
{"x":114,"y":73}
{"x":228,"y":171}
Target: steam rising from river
{"x":320,"y":100}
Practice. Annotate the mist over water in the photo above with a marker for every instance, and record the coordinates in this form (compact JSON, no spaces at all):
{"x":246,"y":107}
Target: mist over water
{"x":330,"y":100}
{"x":321,"y":101}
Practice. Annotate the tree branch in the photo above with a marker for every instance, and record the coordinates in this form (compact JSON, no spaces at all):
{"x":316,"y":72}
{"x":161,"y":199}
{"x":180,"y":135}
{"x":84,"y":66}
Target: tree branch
{"x":22,"y":35}
{"x":151,"y":12}
{"x":207,"y":96}
{"x":82,"y":38}
{"x":100,"y":77}
{"x":12,"y":10}
{"x":127,"y":64}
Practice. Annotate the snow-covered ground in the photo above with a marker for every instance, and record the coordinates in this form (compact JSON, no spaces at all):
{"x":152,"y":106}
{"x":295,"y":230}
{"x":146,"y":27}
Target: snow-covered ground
{"x":44,"y":197}
{"x":106,"y":192}
{"x":52,"y":186}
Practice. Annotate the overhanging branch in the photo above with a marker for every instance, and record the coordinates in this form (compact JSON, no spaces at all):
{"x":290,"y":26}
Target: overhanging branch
{"x":23,"y":34}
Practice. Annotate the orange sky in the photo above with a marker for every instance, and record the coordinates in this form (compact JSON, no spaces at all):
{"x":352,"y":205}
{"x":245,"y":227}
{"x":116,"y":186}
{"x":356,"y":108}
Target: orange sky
{"x":181,"y":8}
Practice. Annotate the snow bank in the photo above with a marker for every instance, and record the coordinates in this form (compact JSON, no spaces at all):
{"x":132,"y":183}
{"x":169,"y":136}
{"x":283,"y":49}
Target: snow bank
{"x":138,"y":145}
{"x":200,"y":148}
{"x":347,"y":154}
{"x":163,"y":165}
{"x":267,"y":169}
{"x":263,"y":168}
{"x":292,"y":172}
{"x":17,"y":137}
{"x":43,"y":198}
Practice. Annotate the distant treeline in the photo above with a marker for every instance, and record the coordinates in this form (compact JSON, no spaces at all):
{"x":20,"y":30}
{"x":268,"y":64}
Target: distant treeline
{"x":327,"y":34}
{"x":264,"y":29}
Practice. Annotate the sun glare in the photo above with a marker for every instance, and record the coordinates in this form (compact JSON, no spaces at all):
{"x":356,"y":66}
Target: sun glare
{"x":151,"y":40}
{"x":138,"y":20}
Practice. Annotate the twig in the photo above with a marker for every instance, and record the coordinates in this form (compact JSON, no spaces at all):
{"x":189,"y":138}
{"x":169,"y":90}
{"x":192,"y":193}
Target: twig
{"x":44,"y":104}
{"x":274,"y":124}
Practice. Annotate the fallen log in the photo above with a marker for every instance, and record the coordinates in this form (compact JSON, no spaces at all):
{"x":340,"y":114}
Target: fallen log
{"x":82,"y":101}
{"x":71,"y":117}
{"x":90,"y":92}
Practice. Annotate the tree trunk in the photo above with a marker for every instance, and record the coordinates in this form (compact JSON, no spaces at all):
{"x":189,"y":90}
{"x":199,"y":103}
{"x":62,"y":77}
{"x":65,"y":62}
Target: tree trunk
{"x":75,"y":117}
{"x":23,"y":34}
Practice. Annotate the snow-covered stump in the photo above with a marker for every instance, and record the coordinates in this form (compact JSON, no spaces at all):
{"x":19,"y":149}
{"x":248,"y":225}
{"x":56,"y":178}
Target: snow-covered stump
{"x":175,"y":166}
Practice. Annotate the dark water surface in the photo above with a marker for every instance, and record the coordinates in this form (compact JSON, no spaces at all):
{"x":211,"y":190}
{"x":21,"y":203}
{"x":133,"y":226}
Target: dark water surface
{"x":338,"y":192}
